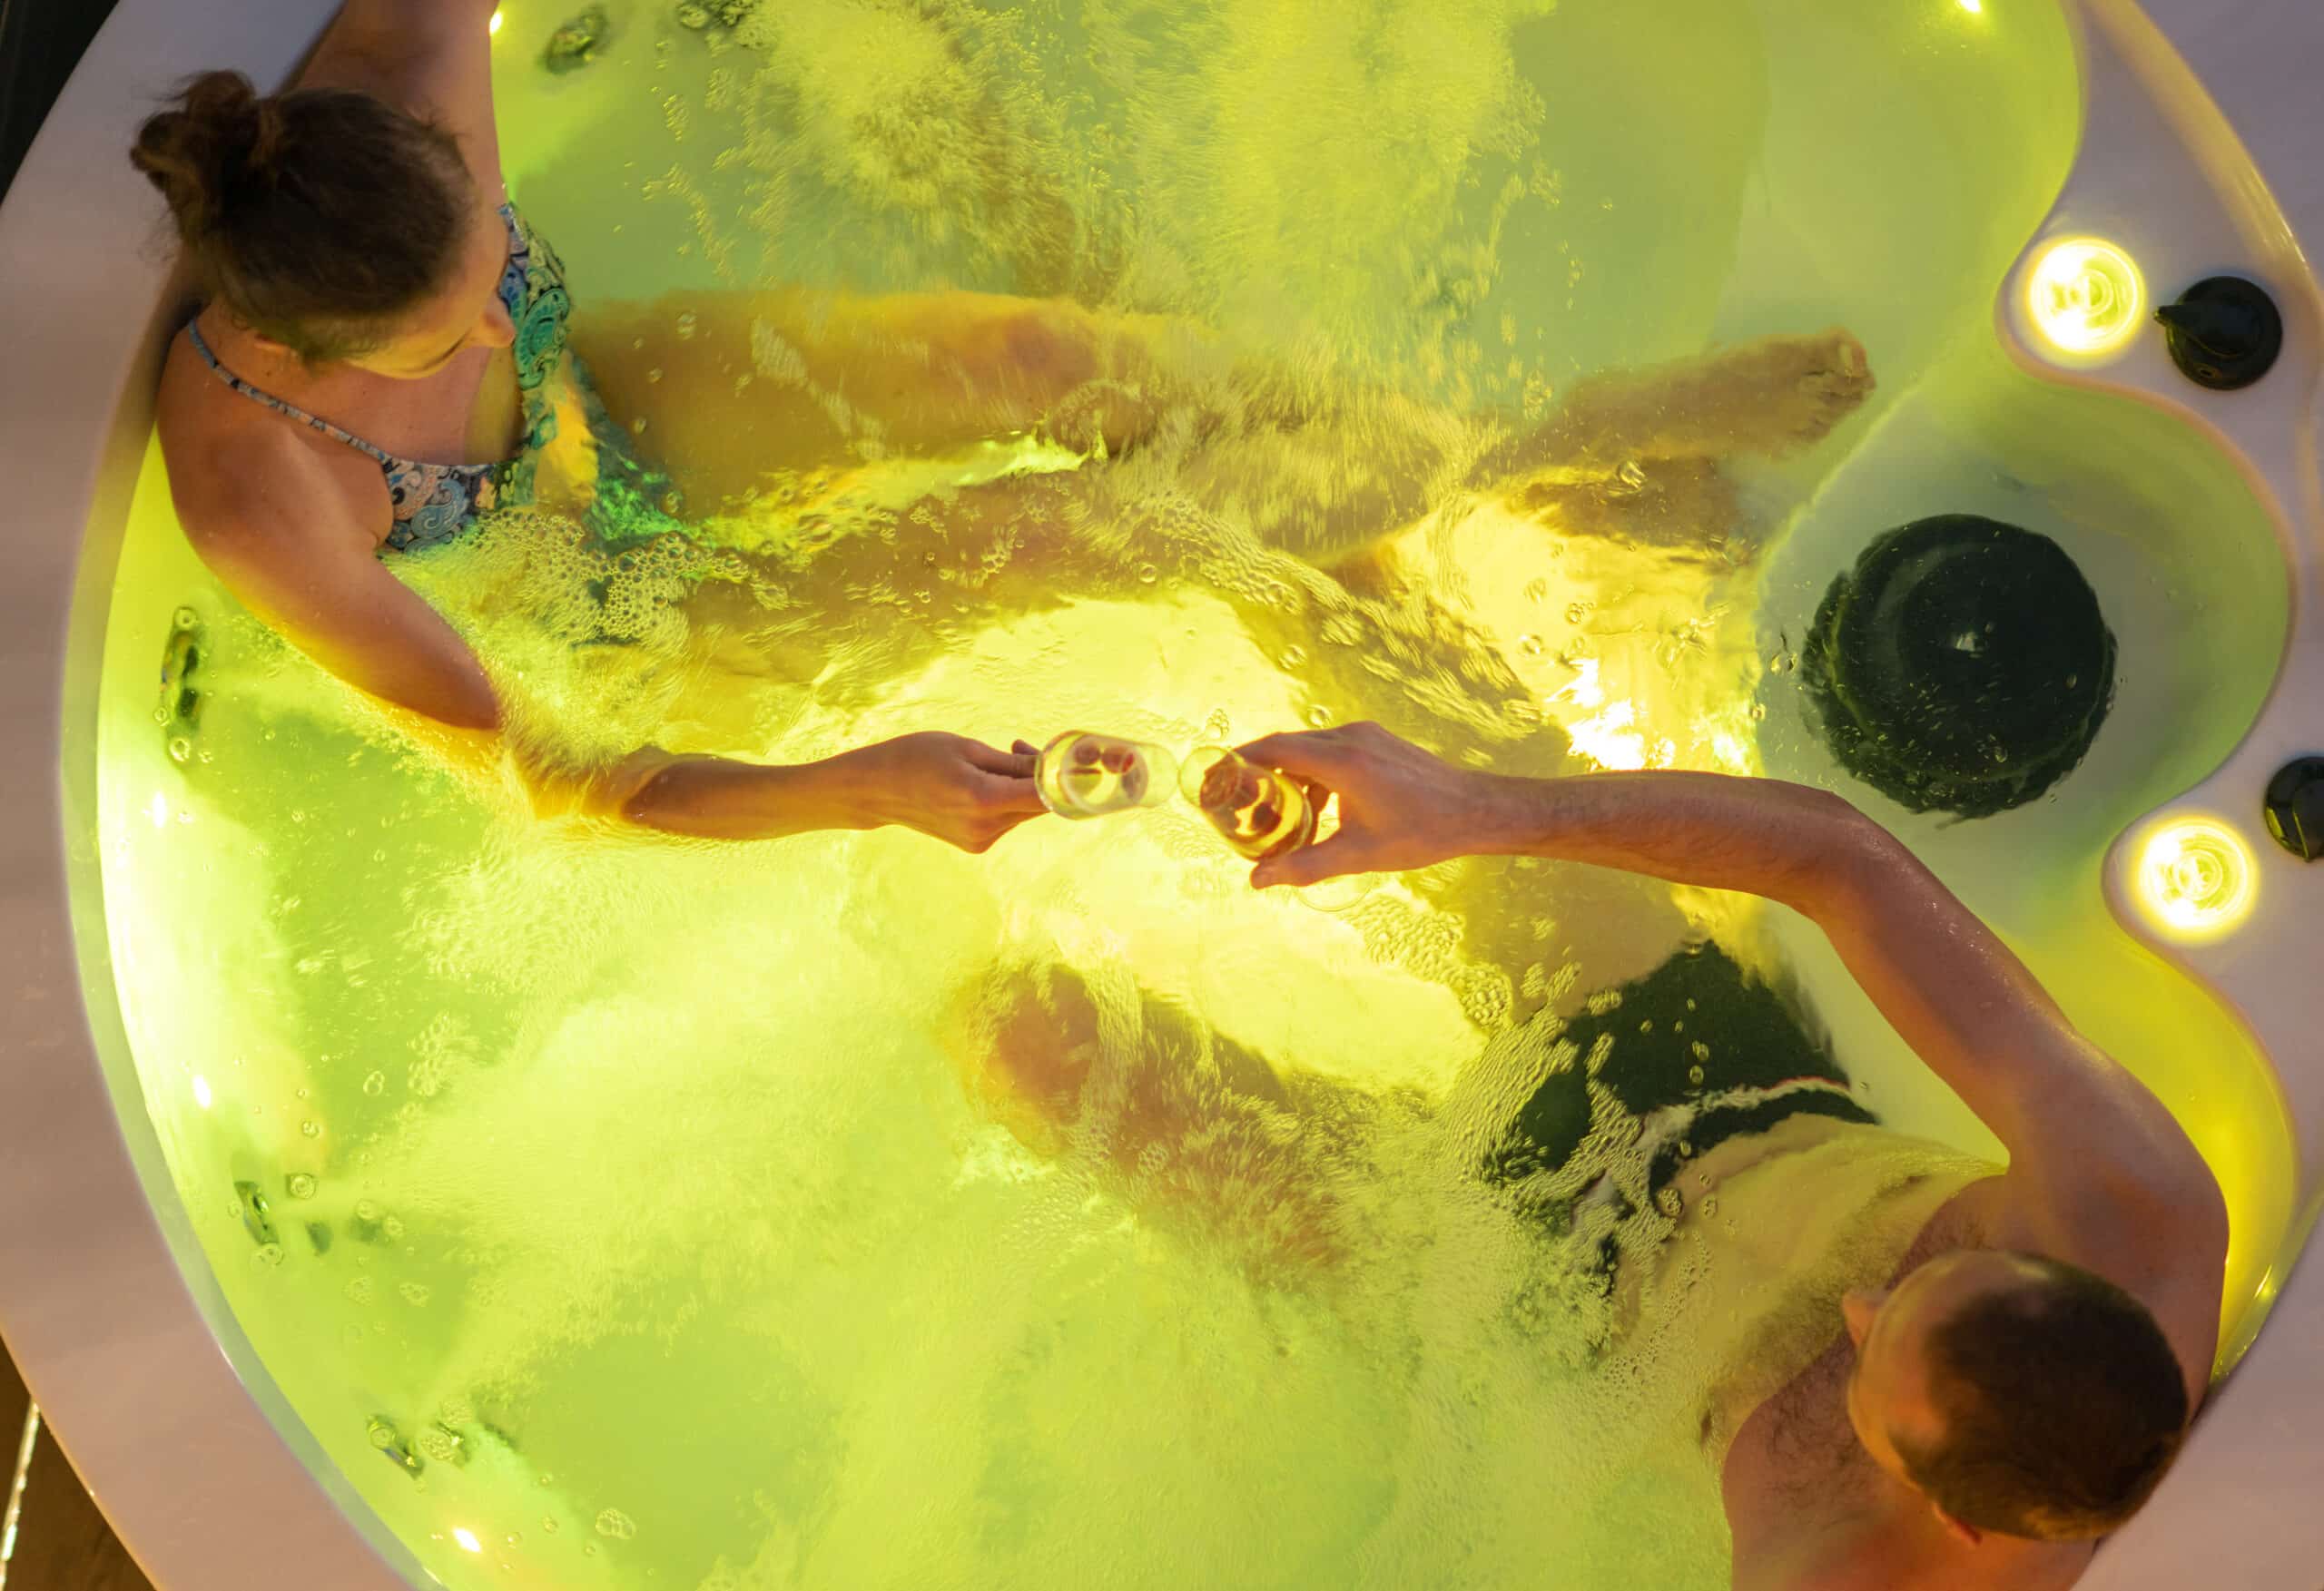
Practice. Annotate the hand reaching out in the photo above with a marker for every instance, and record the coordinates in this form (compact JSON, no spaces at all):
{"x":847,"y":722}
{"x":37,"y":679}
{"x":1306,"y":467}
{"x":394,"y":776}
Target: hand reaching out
{"x":946,"y":786}
{"x":1400,"y":808}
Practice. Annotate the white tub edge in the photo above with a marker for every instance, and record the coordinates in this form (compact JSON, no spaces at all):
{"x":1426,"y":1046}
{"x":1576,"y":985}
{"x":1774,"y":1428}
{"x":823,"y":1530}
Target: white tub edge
{"x":2238,"y":1511}
{"x":179,"y":1450}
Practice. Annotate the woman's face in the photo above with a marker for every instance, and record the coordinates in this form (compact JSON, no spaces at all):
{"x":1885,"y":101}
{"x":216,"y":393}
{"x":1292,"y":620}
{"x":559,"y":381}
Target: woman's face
{"x":467,"y":313}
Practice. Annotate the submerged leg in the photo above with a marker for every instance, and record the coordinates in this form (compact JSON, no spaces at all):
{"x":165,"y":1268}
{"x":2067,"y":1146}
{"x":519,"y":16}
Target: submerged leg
{"x":1182,"y":1123}
{"x":1771,"y":398}
{"x":743,"y":392}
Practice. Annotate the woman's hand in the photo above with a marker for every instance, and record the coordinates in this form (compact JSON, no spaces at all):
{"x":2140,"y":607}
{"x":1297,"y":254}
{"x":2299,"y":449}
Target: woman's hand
{"x":1400,"y":808}
{"x":948,"y":787}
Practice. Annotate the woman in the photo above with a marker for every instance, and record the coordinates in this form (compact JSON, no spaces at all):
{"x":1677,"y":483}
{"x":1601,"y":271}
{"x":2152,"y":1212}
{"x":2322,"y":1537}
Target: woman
{"x":382,"y":358}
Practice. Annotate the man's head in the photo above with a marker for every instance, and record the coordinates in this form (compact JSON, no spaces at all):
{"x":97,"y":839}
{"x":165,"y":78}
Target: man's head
{"x":2023,"y":1396}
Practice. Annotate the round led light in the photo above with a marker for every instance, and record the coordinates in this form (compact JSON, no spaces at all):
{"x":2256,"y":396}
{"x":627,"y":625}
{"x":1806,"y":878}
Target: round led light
{"x":2196,"y":878}
{"x":2086,"y":296}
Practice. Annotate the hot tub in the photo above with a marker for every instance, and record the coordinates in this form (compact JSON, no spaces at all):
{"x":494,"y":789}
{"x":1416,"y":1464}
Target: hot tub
{"x":273,"y":1372}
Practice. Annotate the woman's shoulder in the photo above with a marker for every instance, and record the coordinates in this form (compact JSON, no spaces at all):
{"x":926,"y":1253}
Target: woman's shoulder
{"x":245,"y":482}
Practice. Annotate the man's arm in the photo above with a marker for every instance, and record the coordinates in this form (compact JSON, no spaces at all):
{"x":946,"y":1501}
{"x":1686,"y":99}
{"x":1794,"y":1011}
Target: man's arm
{"x":2100,"y":1172}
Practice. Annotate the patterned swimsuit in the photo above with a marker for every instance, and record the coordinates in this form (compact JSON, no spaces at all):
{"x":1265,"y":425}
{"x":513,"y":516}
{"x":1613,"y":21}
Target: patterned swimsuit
{"x":433,"y":503}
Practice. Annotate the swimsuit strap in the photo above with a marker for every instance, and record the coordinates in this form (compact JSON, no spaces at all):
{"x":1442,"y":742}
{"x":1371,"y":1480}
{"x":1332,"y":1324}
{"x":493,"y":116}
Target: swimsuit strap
{"x":194,"y":334}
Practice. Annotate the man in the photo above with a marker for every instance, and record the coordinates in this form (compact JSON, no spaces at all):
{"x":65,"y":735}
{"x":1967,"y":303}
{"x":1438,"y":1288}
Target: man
{"x":2020,"y":1384}
{"x":2006,"y":1377}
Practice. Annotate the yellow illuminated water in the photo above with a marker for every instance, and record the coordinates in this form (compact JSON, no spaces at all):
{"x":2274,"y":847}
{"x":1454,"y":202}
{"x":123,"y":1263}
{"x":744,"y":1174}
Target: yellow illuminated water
{"x":630,"y":1224}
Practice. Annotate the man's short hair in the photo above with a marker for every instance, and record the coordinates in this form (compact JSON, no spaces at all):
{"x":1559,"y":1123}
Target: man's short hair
{"x":2063,"y":1406}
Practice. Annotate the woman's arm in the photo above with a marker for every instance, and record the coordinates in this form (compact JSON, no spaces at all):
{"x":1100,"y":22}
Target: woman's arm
{"x":431,"y":57}
{"x":327,"y":593}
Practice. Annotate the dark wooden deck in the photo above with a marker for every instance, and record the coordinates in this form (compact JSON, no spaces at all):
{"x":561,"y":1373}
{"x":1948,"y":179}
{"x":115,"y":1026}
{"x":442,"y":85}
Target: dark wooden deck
{"x":63,"y":1543}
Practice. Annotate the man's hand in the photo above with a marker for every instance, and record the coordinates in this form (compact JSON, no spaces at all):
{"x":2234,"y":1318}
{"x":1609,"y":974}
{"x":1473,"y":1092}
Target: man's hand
{"x":947,"y":787}
{"x":1400,"y":808}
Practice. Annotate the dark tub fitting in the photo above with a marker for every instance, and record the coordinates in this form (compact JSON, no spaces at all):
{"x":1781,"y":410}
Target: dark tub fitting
{"x":2295,"y":807}
{"x":1961,"y":666}
{"x":2224,"y":332}
{"x":578,"y":42}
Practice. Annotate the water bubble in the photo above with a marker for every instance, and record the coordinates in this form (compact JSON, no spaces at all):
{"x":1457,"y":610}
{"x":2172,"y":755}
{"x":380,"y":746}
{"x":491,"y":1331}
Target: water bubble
{"x":392,"y":1226}
{"x":1759,"y":712}
{"x":674,"y":503}
{"x":1667,"y":1202}
{"x":1783,"y":662}
{"x":1148,"y":574}
{"x":180,"y":750}
{"x":1702,"y":1050}
{"x":301,"y":1185}
{"x":1695,"y":1076}
{"x":367,"y":1209}
{"x":1632,"y":475}
{"x":1531,"y":645}
{"x":1576,"y":612}
{"x":417,"y":1293}
{"x":637,"y":427}
{"x":268,"y":1256}
{"x":1292,"y":656}
{"x":685,"y":325}
{"x":1710,"y":1206}
{"x":653,"y":377}
{"x":376,"y":1084}
{"x":1319,"y":715}
{"x":311,"y":1129}
{"x":548,"y":1524}
{"x":359,"y":1290}
{"x":185,"y":619}
{"x":616,"y":1525}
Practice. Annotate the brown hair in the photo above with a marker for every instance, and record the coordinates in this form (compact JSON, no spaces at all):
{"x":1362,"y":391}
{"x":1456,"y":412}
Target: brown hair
{"x":2063,"y":1406}
{"x":318,"y":217}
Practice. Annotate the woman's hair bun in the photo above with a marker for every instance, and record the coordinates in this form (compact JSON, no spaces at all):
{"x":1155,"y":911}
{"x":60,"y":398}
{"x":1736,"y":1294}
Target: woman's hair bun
{"x":218,"y":139}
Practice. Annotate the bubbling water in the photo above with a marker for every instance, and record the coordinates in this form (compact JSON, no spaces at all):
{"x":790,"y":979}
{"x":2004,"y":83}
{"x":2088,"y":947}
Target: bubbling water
{"x":742,"y":1217}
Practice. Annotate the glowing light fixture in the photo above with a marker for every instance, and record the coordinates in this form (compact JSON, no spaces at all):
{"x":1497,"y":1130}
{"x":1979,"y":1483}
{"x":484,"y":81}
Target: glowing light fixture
{"x":466,"y":1538}
{"x":2086,"y":296}
{"x":497,"y":19}
{"x":2197,"y":878}
{"x":202,"y":1092}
